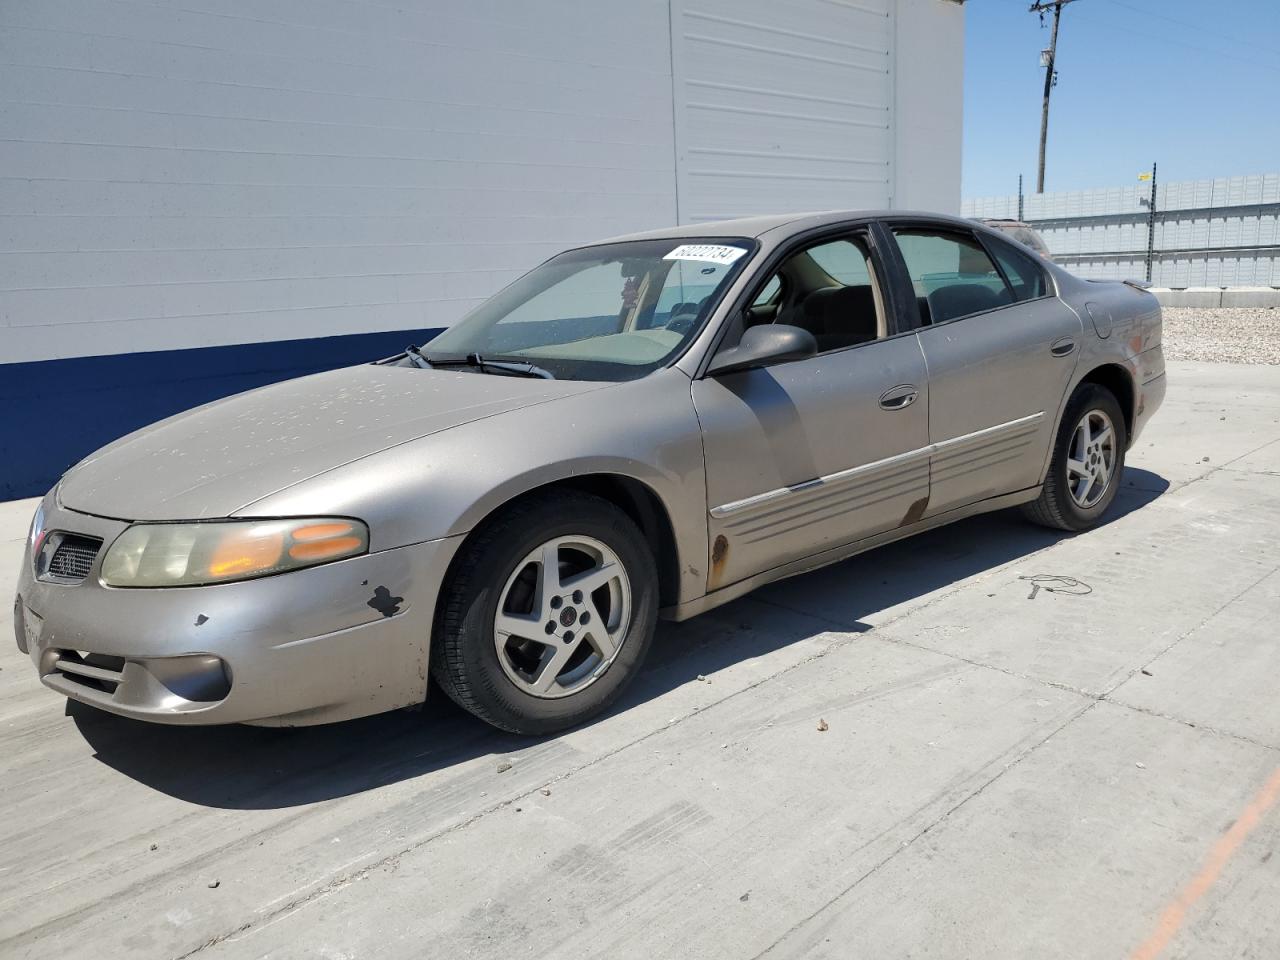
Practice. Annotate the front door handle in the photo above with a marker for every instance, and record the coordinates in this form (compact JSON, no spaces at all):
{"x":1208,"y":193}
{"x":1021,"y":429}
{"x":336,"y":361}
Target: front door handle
{"x":896,"y":398}
{"x":1062,"y":347}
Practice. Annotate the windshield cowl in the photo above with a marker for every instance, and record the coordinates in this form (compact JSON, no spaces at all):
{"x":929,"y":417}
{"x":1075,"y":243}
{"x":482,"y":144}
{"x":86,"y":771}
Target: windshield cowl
{"x":506,"y":366}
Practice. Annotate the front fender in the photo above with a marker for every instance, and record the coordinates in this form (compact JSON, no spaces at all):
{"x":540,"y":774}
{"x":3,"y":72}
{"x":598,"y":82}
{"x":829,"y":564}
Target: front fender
{"x":445,"y":484}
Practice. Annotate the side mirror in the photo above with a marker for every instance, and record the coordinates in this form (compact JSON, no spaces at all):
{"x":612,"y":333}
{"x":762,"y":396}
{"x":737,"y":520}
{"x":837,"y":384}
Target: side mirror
{"x":763,"y":345}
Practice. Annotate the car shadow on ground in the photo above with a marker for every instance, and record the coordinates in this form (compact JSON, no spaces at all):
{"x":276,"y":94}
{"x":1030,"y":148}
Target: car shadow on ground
{"x":251,"y":768}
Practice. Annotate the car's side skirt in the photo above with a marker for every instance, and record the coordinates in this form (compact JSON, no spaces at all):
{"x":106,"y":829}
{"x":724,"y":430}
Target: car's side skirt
{"x":710,"y":601}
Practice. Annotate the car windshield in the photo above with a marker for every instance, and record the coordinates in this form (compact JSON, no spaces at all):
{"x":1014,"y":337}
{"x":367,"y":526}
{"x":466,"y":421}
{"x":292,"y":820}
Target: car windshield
{"x":614,"y":311}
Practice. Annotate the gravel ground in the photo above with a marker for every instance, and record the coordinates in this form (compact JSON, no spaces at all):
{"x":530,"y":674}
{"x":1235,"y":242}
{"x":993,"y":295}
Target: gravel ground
{"x":1222,"y":335}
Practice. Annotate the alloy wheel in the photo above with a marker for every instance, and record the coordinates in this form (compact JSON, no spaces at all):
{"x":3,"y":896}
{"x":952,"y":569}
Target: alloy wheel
{"x":1091,"y":458}
{"x":562,"y":616}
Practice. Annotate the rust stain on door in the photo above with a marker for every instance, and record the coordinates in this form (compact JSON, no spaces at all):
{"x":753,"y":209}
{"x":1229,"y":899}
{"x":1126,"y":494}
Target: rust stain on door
{"x":719,"y":557}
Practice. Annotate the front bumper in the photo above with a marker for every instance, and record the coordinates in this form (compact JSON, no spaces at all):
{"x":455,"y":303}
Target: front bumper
{"x":328,"y":643}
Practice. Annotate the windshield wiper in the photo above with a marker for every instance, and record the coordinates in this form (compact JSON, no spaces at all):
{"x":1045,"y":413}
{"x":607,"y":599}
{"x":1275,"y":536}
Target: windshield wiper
{"x":417,"y":357}
{"x":519,"y":369}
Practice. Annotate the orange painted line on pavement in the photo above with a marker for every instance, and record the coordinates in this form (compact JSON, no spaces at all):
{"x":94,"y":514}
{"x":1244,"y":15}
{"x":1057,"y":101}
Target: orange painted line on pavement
{"x":1228,"y":843}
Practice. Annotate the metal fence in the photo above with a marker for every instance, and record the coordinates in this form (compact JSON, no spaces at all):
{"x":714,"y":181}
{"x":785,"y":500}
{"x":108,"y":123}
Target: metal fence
{"x":1207,"y":233}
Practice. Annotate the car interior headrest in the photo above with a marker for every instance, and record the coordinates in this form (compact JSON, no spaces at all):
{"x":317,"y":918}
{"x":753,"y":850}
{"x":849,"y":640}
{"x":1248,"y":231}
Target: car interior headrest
{"x":846,"y":312}
{"x":962,"y":299}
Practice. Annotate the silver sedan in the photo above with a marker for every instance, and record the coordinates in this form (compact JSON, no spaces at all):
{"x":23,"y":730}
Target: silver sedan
{"x":645,"y":427}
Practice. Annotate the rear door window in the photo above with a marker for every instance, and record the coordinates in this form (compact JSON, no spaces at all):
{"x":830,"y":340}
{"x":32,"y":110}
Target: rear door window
{"x":951,"y":273}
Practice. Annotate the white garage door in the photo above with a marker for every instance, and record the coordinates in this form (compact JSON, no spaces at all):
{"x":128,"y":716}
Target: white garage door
{"x":781,"y":106}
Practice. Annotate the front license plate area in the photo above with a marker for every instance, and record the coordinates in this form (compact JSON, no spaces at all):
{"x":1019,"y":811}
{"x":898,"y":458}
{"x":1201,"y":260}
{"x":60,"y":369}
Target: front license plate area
{"x":32,"y":625}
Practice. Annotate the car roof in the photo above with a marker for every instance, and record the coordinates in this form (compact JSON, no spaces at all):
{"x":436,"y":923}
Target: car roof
{"x":792,"y":222}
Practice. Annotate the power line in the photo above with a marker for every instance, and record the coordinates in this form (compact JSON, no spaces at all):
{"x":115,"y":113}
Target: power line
{"x":1211,"y":52}
{"x":1198,"y":28}
{"x":1198,"y":47}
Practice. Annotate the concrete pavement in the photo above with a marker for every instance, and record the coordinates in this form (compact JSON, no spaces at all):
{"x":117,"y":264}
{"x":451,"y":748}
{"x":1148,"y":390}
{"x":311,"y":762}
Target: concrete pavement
{"x":1087,"y":774}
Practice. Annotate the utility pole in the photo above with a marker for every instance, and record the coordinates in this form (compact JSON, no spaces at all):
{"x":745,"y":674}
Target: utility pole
{"x":1019,"y":196}
{"x":1047,"y":58}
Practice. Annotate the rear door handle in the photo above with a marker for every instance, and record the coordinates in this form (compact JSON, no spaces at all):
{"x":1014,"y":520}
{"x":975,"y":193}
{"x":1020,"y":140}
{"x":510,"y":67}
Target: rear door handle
{"x":896,"y":398}
{"x":1062,"y":347}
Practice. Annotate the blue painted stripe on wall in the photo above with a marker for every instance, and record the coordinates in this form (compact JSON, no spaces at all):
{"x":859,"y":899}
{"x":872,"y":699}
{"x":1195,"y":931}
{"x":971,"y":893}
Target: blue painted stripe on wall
{"x":56,"y":412}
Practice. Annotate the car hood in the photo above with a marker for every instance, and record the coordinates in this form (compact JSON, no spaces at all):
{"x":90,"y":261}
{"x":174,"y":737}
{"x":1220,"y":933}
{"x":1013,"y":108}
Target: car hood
{"x":215,"y":459}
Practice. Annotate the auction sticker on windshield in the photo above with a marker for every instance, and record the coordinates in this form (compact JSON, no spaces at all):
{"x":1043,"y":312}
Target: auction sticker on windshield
{"x":710,"y":252}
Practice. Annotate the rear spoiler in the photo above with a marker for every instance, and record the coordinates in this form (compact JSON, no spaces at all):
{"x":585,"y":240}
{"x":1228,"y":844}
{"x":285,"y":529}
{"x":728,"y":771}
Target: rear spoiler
{"x":1136,"y":284}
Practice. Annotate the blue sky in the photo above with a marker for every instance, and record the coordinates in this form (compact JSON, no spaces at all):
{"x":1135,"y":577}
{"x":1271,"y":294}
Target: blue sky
{"x":1193,"y":85}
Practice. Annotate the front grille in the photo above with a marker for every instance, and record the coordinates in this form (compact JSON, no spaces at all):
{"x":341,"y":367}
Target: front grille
{"x":70,"y":557}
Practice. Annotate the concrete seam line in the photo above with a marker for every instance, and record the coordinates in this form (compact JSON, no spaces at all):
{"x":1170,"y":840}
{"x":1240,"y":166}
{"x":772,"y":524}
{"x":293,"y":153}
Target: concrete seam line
{"x":1175,"y":487}
{"x":1055,"y":684}
{"x":1227,"y":463}
{"x":1071,"y":718}
{"x":1079,"y":691}
{"x":1215,"y":731}
{"x":1252,"y":473}
{"x":1190,"y":630}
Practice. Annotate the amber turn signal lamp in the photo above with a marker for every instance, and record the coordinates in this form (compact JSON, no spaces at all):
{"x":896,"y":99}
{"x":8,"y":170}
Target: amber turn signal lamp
{"x":325,"y":541}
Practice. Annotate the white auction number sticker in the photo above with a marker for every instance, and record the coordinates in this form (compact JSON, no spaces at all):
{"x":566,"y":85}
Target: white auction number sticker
{"x":707,"y":252}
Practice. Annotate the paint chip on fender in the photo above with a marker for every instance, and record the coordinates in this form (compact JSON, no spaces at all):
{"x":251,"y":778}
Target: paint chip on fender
{"x":384,"y":602}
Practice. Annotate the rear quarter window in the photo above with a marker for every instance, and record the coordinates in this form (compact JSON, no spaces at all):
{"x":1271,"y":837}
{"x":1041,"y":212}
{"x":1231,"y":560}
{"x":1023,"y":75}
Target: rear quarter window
{"x":1027,"y":278}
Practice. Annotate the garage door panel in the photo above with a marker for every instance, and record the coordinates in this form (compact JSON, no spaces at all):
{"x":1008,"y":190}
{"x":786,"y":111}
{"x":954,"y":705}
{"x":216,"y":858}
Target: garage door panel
{"x":781,"y":106}
{"x":787,"y":196}
{"x":835,"y":24}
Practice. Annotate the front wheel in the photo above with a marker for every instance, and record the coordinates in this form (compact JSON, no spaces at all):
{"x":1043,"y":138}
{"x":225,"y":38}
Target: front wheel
{"x":1088,"y":459}
{"x":547,"y":615}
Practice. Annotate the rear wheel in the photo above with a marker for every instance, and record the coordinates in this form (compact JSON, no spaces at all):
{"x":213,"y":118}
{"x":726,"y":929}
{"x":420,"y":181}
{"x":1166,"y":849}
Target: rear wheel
{"x":548,"y":613}
{"x":1088,"y":459}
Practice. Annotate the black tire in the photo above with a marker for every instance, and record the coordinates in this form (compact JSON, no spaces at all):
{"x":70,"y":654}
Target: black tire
{"x":464,"y":660}
{"x":1055,"y":507}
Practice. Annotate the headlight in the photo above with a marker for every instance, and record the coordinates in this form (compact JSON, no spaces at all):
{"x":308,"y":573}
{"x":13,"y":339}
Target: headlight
{"x":187,"y":554}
